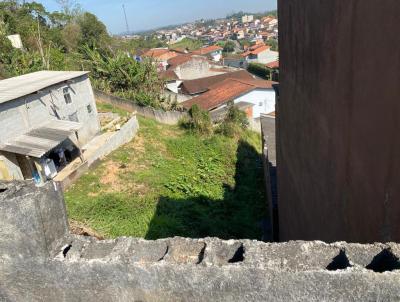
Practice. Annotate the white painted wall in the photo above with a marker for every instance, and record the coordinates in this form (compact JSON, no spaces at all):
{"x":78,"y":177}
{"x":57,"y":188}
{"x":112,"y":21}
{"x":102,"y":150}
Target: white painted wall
{"x":263,"y":100}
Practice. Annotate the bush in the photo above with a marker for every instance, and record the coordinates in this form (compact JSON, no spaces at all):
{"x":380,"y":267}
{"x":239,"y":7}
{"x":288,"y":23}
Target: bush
{"x":234,"y":122}
{"x":259,"y":70}
{"x":199,"y":121}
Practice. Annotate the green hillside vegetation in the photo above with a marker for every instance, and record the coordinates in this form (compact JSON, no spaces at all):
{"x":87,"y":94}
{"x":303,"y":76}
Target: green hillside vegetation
{"x":187,"y":43}
{"x":173,"y":182}
{"x":76,"y":40}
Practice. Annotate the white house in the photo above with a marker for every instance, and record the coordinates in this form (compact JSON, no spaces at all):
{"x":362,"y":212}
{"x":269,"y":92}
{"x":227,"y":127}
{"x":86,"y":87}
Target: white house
{"x":213,"y":52}
{"x":259,"y":94}
{"x":260,"y":53}
{"x":45,"y":119}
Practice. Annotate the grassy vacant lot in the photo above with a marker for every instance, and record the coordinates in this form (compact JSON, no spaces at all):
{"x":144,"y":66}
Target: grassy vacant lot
{"x":168,"y":182}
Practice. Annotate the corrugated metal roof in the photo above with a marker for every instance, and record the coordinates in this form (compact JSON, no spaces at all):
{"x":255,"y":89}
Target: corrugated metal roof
{"x":37,"y":142}
{"x":13,"y":88}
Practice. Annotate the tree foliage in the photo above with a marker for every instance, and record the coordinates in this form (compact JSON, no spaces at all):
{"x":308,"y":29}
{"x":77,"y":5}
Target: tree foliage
{"x":198,"y":122}
{"x":75,"y":40}
{"x":234,"y":123}
{"x":120,"y":75}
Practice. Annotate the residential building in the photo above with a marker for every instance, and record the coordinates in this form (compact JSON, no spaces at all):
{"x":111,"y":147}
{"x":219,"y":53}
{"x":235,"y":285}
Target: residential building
{"x":260,"y":53}
{"x":45,"y":119}
{"x":199,"y":86}
{"x":259,"y":94}
{"x":188,"y":67}
{"x":247,"y":18}
{"x":213,"y":52}
{"x":160,"y":56}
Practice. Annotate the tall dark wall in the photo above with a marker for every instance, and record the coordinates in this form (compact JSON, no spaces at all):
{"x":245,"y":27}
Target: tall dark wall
{"x":339,"y":120}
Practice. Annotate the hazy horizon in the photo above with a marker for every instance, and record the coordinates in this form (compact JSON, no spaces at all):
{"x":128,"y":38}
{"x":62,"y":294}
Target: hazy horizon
{"x":151,"y":14}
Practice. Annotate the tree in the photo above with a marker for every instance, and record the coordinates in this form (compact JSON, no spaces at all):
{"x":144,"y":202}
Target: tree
{"x":229,"y":46}
{"x":71,"y":36}
{"x":94,"y":32}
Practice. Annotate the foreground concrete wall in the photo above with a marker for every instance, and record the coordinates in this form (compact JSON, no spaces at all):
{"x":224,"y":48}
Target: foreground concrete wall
{"x":41,"y":261}
{"x":339,"y":109}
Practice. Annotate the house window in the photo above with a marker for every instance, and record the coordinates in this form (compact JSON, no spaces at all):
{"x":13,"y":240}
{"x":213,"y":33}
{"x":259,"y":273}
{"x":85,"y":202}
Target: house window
{"x":73,"y":117}
{"x":89,"y":108}
{"x":67,"y":95}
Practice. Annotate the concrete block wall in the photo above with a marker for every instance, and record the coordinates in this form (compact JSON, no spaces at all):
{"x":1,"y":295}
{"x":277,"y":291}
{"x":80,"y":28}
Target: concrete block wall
{"x":164,"y":117}
{"x":41,"y":261}
{"x":119,"y":138}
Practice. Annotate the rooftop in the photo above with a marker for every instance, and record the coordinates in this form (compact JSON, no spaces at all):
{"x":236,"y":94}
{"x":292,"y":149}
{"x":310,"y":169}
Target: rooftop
{"x":226,"y":91}
{"x":207,"y":50}
{"x":42,"y":139}
{"x":13,"y":88}
{"x":202,"y":84}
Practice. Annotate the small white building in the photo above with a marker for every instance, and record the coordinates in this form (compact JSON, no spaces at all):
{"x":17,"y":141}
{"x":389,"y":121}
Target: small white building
{"x":247,"y":18}
{"x":255,"y":96}
{"x":45,"y":119}
{"x":212,"y":52}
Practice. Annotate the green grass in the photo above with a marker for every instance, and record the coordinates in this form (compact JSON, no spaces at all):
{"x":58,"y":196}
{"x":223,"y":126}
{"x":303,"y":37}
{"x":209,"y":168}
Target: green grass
{"x":188,"y":43}
{"x":168,"y":182}
{"x":103,"y":107}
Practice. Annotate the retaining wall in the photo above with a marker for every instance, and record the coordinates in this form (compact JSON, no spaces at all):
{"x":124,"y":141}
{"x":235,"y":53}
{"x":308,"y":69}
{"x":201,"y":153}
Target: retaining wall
{"x":119,"y":138}
{"x":41,"y":261}
{"x":165,"y":117}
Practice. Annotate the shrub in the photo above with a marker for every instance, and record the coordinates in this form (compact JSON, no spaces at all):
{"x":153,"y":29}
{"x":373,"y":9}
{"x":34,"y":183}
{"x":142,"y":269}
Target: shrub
{"x":199,"y":121}
{"x":234,"y":122}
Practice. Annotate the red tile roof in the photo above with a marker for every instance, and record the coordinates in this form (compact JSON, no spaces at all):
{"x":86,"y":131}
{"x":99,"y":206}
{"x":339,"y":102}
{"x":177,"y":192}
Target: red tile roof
{"x":159,"y":53}
{"x":168,"y":75}
{"x":202,"y":84}
{"x":206,"y":50}
{"x":274,"y":64}
{"x":255,"y":50}
{"x":182,"y":59}
{"x":226,"y":91}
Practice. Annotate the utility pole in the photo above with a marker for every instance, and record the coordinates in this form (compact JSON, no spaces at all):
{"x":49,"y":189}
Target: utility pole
{"x":126,"y":20}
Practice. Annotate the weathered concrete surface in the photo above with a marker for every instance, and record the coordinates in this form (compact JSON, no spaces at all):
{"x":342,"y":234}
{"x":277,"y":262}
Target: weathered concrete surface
{"x":338,"y":117}
{"x":43,"y":262}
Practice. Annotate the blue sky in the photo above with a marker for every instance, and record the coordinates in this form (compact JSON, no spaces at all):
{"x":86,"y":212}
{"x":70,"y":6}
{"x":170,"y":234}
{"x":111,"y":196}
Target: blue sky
{"x":147,"y":14}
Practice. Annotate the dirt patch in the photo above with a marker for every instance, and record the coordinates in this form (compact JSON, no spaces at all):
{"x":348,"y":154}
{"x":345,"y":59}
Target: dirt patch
{"x":110,"y":176}
{"x":79,"y":228}
{"x":116,"y":179}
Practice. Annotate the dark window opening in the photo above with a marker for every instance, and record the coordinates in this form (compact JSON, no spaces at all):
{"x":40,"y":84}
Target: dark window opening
{"x":67,"y":95}
{"x":89,"y":108}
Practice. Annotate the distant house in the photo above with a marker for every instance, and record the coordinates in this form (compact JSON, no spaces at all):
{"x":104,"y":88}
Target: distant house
{"x":188,"y":67}
{"x":160,"y":56}
{"x":45,"y":118}
{"x":269,"y":22}
{"x":202,"y":85}
{"x":247,"y":18}
{"x":257,"y":96}
{"x":213,"y":52}
{"x":260,"y":53}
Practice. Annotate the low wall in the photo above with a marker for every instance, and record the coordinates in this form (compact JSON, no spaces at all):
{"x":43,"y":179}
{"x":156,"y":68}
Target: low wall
{"x":41,"y":261}
{"x":164,"y":117}
{"x":119,"y":138}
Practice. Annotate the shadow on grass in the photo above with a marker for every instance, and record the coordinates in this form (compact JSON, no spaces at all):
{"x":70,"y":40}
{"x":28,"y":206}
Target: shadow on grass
{"x":239,"y":215}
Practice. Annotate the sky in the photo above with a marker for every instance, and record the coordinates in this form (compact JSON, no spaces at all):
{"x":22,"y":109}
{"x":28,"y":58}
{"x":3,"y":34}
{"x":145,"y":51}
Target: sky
{"x":149,"y":14}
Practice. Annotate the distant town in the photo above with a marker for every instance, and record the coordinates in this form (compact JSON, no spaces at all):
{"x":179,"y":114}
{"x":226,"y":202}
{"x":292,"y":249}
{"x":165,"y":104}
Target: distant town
{"x":241,"y":39}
